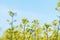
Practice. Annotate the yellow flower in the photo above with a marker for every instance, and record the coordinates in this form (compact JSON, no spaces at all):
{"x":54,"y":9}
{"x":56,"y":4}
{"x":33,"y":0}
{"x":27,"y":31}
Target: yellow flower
{"x":43,"y":27}
{"x":25,"y":21}
{"x":20,"y":25}
{"x":13,"y":36}
{"x":27,"y":29}
{"x":59,"y":37}
{"x":40,"y":38}
{"x":33,"y":26}
{"x":45,"y":39}
{"x":31,"y":38}
{"x":49,"y":29}
{"x":36,"y":33}
{"x":59,"y":4}
{"x":35,"y":21}
{"x":38,"y":30}
{"x":54,"y":23}
{"x":27,"y":34}
{"x":45,"y":32}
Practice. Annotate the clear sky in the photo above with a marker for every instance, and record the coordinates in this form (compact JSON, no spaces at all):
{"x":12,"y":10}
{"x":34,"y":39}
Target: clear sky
{"x":43,"y":10}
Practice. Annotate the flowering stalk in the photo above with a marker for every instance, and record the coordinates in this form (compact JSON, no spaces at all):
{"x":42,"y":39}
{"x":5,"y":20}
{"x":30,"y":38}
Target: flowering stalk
{"x":58,"y":28}
{"x":47,"y":26}
{"x":12,"y":28}
{"x":24,"y":21}
{"x":58,"y":9}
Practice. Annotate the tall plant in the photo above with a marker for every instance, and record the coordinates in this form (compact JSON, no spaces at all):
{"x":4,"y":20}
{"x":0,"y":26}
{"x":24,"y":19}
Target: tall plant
{"x":11,"y":31}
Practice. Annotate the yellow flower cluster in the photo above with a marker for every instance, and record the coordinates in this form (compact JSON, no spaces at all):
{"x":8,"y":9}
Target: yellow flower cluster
{"x":31,"y":32}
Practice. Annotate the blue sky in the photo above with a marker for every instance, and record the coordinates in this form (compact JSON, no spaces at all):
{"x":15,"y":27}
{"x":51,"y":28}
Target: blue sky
{"x":43,"y":10}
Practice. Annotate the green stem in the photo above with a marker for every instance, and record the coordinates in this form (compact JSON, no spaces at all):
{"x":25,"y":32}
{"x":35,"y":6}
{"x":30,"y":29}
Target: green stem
{"x":24,"y":32}
{"x":12,"y":28}
{"x":47,"y":33}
